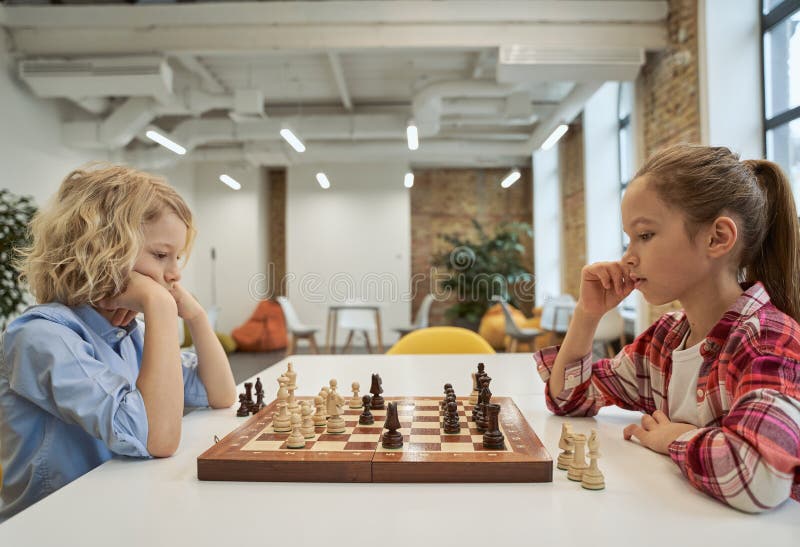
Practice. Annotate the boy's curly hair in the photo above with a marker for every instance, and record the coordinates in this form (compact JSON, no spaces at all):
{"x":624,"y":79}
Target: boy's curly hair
{"x":86,"y":241}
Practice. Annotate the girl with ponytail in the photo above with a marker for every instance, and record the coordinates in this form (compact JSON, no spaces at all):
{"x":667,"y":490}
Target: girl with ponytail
{"x":718,"y":382}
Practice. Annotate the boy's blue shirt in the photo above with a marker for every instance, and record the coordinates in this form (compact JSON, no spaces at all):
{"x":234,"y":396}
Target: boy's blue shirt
{"x":68,"y":399}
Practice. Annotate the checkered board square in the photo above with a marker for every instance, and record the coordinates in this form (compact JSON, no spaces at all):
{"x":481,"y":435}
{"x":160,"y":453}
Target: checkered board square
{"x":256,"y":452}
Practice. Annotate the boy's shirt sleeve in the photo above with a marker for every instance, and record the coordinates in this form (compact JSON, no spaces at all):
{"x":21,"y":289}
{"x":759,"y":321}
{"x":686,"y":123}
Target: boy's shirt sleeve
{"x":622,"y":380}
{"x":54,"y":368}
{"x":194,"y":392}
{"x":752,"y":461}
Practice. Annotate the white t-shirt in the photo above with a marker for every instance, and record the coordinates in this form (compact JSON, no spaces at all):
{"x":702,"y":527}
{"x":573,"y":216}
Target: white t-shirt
{"x":682,"y":390}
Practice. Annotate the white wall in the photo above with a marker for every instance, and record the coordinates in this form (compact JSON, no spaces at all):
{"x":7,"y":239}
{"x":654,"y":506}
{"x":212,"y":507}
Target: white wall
{"x":730,"y":75}
{"x":33,"y":159}
{"x":233,"y":223}
{"x":350,"y":242}
{"x":546,"y":224}
{"x":601,"y":164}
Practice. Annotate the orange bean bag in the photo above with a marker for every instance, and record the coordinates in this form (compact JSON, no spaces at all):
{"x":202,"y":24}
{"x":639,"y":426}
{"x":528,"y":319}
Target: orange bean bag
{"x":264,"y":331}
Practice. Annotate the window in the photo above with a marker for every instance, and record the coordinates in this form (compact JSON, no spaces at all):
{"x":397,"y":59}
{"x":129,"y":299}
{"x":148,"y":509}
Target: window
{"x":780,"y":27}
{"x":625,"y":162}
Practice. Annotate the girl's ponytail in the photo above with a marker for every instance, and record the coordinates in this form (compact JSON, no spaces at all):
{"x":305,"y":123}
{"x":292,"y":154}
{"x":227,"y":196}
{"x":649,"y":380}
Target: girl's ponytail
{"x":777,"y":262}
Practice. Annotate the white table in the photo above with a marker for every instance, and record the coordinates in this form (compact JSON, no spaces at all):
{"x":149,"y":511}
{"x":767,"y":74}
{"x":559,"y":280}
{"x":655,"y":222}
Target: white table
{"x":161,"y":502}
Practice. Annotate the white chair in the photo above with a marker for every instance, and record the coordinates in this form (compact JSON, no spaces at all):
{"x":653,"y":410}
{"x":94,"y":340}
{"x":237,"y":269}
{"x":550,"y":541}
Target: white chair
{"x":556,"y":313}
{"x":353,"y":321}
{"x":422,"y":319}
{"x":297,"y":329}
{"x":516,"y":333}
{"x":610,"y":329}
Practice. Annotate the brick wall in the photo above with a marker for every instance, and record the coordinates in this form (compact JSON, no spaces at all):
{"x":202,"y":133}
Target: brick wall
{"x":277,"y":232}
{"x":573,"y":208}
{"x":668,"y":100}
{"x":445,"y":201}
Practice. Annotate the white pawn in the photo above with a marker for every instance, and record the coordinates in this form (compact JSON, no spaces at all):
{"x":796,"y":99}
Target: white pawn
{"x":296,"y":439}
{"x":473,"y":397}
{"x":578,"y":464}
{"x":281,"y":421}
{"x":319,"y":414}
{"x":566,"y":445}
{"x":355,"y":401}
{"x":283,"y":381}
{"x":593,"y":478}
{"x":308,"y":423}
{"x":324,"y":396}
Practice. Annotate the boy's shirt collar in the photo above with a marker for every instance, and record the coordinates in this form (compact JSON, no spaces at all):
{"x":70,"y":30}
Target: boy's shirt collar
{"x":99,"y":324}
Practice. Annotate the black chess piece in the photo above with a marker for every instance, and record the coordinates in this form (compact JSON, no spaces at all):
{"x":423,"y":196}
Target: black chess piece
{"x":366,"y":417}
{"x":244,"y":408}
{"x":482,"y":420}
{"x":259,"y":404}
{"x":258,"y":387}
{"x":447,"y":389}
{"x":451,"y":423}
{"x":493,"y":438}
{"x":392,"y":438}
{"x":248,"y":388}
{"x":376,"y":389}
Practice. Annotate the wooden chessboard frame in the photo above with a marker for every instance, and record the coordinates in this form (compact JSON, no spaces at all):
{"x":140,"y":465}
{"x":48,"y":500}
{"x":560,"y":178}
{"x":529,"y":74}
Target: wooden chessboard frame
{"x":523,"y":459}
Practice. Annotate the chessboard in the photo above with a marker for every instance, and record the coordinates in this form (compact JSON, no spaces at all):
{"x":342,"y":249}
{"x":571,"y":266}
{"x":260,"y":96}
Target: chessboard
{"x":255,"y":452}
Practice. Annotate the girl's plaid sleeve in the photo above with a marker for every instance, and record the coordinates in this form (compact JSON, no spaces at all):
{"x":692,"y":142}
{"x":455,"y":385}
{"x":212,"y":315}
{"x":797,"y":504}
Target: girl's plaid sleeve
{"x":621,"y":380}
{"x":752,"y":461}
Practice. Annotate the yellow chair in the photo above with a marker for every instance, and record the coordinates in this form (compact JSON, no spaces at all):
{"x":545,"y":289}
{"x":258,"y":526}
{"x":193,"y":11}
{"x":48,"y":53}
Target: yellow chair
{"x":440,"y":340}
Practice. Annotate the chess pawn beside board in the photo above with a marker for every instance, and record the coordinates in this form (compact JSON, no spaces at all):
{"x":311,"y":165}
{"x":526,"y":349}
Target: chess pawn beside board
{"x":567,"y":447}
{"x":355,"y":401}
{"x":578,"y":464}
{"x":593,"y":478}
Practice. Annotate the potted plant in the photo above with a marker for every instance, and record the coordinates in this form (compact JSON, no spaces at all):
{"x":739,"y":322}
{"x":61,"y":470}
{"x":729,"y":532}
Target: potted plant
{"x":16,"y":213}
{"x":479,"y":270}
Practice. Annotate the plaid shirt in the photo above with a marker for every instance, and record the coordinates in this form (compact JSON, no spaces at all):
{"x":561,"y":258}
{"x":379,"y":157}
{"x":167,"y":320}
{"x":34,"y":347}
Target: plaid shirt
{"x":747,"y":454}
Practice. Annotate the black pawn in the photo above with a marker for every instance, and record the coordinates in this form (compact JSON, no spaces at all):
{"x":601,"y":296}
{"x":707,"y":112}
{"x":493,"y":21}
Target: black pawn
{"x":244,"y":408}
{"x":451,"y":424}
{"x":366,"y":417}
{"x":447,"y":389}
{"x":392,"y":438}
{"x":376,"y":390}
{"x":493,"y":438}
{"x":259,"y":401}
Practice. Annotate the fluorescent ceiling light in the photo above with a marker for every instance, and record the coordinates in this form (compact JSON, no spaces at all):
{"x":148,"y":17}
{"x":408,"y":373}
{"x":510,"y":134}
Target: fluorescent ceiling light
{"x":412,"y":136}
{"x":408,"y":182}
{"x":292,"y":139}
{"x":323,"y":181}
{"x":554,"y":136}
{"x":511,"y":178}
{"x":165,"y":142}
{"x":230,"y":181}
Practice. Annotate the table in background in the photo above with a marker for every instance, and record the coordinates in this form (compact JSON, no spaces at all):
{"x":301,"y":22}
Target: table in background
{"x":127,"y":502}
{"x":333,"y":319}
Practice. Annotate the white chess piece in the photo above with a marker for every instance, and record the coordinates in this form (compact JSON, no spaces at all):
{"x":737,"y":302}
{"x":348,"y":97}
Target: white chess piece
{"x":308,"y":422}
{"x":293,"y":404}
{"x":281,"y":421}
{"x":319,"y":414}
{"x":324,"y":396}
{"x":355,"y":401}
{"x":283,"y":381}
{"x":291,"y":375}
{"x":473,"y":397}
{"x":335,"y":421}
{"x":593,"y":478}
{"x":578,"y":464}
{"x":296,"y":439}
{"x":566,"y":445}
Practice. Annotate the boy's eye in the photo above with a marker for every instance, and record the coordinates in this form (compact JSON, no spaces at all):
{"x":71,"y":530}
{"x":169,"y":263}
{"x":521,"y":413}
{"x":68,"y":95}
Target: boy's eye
{"x":160,"y":256}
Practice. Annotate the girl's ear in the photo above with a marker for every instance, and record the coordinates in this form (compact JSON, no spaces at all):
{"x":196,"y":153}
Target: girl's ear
{"x":722,"y":236}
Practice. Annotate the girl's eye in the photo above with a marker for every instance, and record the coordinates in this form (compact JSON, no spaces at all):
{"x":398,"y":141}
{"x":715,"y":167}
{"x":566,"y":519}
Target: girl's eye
{"x":645,"y":236}
{"x":160,"y":256}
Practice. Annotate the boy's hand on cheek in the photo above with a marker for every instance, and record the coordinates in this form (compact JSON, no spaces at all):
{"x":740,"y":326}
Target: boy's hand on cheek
{"x":139,"y":290}
{"x":657,"y":431}
{"x":188,"y":307}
